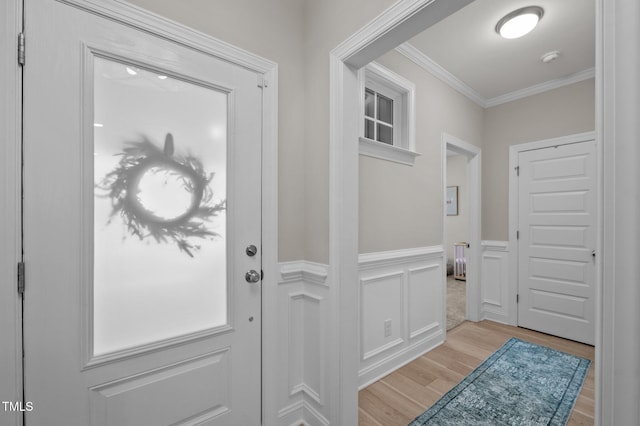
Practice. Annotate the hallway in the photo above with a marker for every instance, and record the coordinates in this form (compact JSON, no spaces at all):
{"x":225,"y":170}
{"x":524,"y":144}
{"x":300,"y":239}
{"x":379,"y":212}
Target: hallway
{"x":401,"y":396}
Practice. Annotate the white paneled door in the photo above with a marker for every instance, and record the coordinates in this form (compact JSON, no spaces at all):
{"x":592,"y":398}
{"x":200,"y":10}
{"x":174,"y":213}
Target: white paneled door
{"x":557,"y":226}
{"x":142,"y":227}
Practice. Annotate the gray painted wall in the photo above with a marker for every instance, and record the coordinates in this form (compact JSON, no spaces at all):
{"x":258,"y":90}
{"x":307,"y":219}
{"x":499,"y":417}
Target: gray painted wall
{"x":294,"y":34}
{"x":559,"y":112}
{"x":400,"y":205}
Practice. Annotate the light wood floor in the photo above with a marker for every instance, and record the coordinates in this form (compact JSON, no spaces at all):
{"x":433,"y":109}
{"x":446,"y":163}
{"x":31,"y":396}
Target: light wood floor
{"x":404,"y":394}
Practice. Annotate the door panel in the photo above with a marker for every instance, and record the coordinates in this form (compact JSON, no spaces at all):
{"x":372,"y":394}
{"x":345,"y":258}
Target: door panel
{"x":557,"y":205}
{"x":142,"y":190}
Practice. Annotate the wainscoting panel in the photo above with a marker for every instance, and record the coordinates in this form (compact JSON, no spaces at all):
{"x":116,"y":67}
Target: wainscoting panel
{"x":424,"y":284}
{"x":301,"y":343}
{"x":401,"y":308}
{"x":381,"y":300}
{"x":495,"y":303}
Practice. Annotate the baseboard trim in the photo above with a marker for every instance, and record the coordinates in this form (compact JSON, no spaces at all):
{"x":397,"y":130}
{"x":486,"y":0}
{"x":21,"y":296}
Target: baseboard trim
{"x":384,"y":367}
{"x":313,"y":417}
{"x":496,"y":317}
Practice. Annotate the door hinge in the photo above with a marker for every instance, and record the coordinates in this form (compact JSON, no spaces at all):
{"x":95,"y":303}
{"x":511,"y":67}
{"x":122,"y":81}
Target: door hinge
{"x":517,"y":170}
{"x":517,"y":235}
{"x":517,"y":298}
{"x":21,"y":49}
{"x":20,"y":278}
{"x":262,"y":82}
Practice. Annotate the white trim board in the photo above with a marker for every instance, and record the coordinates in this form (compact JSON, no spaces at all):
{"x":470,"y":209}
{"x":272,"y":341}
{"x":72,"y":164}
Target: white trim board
{"x":384,"y":151}
{"x":138,"y":17}
{"x":432,"y":67}
{"x":495,"y":245}
{"x":10,"y":210}
{"x":393,"y":257}
{"x":412,"y":53}
{"x":311,"y":272}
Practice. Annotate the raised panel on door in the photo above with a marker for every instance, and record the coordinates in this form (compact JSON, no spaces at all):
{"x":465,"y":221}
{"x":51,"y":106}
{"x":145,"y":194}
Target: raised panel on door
{"x":556,"y":220}
{"x":142,"y":190}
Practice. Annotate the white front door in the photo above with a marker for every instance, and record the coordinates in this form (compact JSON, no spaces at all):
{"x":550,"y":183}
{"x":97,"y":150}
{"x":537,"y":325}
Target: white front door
{"x":557,"y":226}
{"x":142,"y":195}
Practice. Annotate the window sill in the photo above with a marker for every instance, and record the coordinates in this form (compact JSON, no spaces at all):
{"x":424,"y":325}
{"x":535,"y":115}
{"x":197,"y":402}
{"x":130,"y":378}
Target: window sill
{"x":383,"y":151}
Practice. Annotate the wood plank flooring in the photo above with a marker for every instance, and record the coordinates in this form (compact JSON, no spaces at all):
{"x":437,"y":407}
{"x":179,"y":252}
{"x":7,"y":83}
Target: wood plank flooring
{"x":404,"y":394}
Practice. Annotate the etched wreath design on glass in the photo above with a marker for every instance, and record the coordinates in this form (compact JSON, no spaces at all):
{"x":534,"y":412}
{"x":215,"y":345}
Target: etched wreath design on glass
{"x":162,"y":196}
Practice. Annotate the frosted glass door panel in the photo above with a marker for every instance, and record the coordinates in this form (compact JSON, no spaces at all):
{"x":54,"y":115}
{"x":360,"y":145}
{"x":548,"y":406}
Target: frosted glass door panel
{"x":160,"y":167}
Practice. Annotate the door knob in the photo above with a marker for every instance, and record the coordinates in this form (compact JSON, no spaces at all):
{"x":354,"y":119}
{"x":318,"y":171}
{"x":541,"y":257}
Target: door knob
{"x":252,"y":276}
{"x":251,"y":250}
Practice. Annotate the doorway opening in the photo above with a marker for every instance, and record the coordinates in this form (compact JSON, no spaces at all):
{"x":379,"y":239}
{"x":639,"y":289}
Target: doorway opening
{"x":461,"y":223}
{"x":456,"y":232}
{"x":390,"y":29}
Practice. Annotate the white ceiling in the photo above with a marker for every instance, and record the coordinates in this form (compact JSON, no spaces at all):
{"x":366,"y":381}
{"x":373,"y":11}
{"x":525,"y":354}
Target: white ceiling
{"x":467,"y":46}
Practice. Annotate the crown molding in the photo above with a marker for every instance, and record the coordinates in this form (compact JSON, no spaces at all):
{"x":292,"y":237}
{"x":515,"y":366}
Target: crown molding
{"x":422,"y":60}
{"x":542,"y":87}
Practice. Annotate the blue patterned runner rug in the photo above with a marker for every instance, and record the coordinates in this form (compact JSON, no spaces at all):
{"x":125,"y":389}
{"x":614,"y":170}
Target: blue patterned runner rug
{"x":520,"y":384}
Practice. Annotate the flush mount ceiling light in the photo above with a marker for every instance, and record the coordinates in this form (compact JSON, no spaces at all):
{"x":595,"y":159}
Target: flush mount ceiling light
{"x":519,"y":22}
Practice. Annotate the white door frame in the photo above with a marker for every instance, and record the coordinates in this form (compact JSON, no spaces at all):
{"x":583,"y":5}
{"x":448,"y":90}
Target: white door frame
{"x":11,"y":107}
{"x":10,"y":211}
{"x":474,"y":225}
{"x":397,"y":24}
{"x":514,"y":151}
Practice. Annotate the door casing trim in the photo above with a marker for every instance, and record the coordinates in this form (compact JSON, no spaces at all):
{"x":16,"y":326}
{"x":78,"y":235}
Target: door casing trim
{"x":10,"y":211}
{"x":394,"y":26}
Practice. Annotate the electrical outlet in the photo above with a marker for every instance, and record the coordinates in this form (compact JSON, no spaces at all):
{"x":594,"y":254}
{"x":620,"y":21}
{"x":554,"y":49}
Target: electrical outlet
{"x":387,"y":328}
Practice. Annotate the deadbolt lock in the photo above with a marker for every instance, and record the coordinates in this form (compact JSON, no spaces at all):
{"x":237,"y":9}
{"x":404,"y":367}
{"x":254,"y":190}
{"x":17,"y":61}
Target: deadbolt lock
{"x":251,"y":250}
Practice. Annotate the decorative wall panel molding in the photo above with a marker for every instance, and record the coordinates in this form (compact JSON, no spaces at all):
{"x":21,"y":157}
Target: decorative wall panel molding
{"x":303,"y":324}
{"x":310,"y":272}
{"x":495,"y":303}
{"x":397,"y":257}
{"x":402,"y":308}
